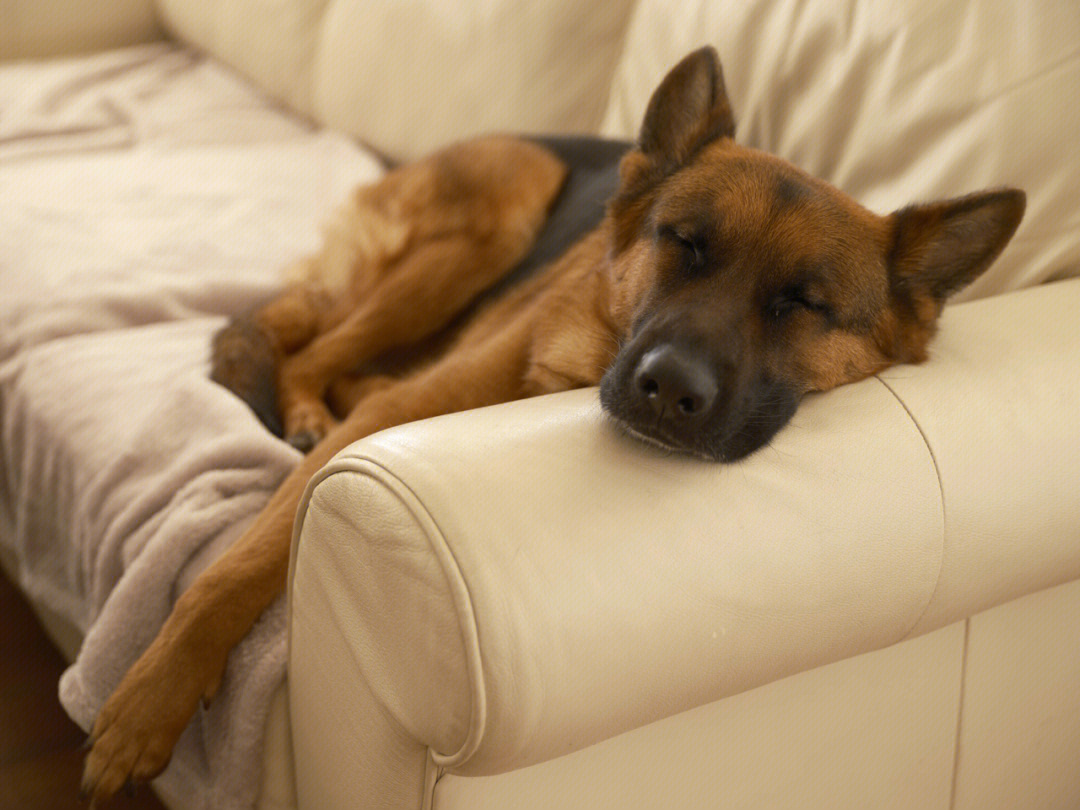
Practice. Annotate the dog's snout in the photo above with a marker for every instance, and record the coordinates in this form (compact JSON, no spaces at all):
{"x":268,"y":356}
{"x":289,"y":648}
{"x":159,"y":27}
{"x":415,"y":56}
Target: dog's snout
{"x":675,"y":383}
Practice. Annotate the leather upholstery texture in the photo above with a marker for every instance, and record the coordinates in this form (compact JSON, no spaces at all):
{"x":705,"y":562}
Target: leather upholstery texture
{"x":696,"y":569}
{"x":456,"y":551}
{"x":36,"y":29}
{"x":980,"y":715}
{"x":876,"y":730}
{"x":407,"y":77}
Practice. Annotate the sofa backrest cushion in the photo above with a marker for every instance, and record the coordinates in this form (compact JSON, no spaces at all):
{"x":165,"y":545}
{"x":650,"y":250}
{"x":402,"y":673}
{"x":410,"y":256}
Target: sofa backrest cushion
{"x":38,"y":29}
{"x":272,"y":42}
{"x":895,"y":102}
{"x":406,"y":76}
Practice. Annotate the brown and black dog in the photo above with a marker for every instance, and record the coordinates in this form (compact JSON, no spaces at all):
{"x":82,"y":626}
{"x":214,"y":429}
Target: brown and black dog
{"x":704,"y":286}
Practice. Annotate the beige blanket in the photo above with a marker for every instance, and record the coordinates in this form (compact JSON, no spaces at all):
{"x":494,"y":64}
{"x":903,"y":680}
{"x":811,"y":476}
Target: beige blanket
{"x":147,"y":194}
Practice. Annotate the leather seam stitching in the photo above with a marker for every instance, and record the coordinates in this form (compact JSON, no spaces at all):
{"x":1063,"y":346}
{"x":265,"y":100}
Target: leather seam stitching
{"x":941,"y":502}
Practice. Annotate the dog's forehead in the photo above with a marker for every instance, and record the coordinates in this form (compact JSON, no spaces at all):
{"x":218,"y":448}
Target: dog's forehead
{"x":739,"y":196}
{"x":743,"y":190}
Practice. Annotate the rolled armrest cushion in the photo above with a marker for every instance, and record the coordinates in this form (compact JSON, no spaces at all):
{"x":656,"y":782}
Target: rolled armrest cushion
{"x":521,"y":581}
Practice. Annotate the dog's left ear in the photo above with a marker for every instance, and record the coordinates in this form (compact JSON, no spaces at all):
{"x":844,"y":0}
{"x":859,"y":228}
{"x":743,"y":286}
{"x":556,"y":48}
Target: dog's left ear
{"x":942,"y":247}
{"x":687,"y":110}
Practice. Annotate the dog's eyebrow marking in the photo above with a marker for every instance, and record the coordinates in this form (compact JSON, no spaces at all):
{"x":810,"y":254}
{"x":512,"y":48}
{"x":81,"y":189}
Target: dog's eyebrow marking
{"x":813,"y":279}
{"x":814,"y":271}
{"x":791,"y":190}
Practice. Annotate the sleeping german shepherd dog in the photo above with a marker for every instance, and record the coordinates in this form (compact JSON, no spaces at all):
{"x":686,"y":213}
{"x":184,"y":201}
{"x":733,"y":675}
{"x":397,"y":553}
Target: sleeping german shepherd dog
{"x":704,"y":286}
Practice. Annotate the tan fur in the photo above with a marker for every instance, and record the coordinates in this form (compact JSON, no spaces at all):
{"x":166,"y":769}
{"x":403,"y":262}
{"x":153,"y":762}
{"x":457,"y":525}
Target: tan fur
{"x":433,"y":236}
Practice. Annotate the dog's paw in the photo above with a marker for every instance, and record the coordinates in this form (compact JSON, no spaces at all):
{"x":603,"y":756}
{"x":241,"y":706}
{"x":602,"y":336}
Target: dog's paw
{"x":135,"y":731}
{"x":306,"y":423}
{"x":121,"y":757}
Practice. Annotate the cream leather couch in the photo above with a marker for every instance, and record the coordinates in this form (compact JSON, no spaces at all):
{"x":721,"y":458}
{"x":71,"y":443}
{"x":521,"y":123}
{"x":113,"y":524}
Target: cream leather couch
{"x":517,"y":608}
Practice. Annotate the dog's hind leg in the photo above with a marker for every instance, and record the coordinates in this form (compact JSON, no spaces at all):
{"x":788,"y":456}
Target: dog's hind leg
{"x":247,"y":352}
{"x":471,"y":212}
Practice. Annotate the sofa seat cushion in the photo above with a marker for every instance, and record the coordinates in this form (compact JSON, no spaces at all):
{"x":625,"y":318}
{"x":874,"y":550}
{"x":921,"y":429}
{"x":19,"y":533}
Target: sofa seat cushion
{"x":147,"y":194}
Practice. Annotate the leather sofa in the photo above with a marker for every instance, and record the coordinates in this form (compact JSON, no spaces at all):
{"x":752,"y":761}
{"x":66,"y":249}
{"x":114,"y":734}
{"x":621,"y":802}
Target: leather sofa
{"x":518,"y":607}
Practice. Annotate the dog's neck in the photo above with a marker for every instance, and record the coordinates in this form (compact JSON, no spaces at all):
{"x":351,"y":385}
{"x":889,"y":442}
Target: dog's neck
{"x":577,"y":328}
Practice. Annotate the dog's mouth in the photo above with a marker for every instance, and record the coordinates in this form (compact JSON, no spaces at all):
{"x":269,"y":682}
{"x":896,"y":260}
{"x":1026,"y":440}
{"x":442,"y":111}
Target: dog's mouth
{"x":723,"y":448}
{"x":657,"y":439}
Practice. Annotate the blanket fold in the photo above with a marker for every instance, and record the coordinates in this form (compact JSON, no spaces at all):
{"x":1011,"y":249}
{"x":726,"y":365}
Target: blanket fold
{"x":124,"y":471}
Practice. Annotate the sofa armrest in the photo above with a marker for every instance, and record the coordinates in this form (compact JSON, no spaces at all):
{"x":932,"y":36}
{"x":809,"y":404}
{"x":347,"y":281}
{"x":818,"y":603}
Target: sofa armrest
{"x":506,"y":585}
{"x":37,"y":29}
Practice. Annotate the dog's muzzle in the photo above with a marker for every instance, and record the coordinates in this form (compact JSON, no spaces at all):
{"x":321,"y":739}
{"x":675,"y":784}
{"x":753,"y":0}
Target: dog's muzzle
{"x":685,"y":400}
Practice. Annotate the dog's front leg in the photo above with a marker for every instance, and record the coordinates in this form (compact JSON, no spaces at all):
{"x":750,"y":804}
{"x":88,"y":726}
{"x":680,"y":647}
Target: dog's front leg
{"x":135,"y":731}
{"x":134,"y":734}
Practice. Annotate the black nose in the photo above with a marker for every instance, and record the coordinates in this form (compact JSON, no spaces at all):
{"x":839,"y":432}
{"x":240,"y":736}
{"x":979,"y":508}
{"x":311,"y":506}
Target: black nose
{"x":676,"y":384}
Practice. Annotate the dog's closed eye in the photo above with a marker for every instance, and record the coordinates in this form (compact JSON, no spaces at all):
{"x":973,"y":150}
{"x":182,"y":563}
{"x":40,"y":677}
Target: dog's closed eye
{"x":692,"y":247}
{"x":796,"y":299}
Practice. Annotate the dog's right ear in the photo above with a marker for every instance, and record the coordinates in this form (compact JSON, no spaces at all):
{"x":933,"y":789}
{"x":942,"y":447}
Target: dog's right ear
{"x":939,"y":248}
{"x":688,"y":109}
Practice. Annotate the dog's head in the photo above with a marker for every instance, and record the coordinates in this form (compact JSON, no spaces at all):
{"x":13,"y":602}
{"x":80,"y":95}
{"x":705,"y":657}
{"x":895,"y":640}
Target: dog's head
{"x":740,"y":283}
